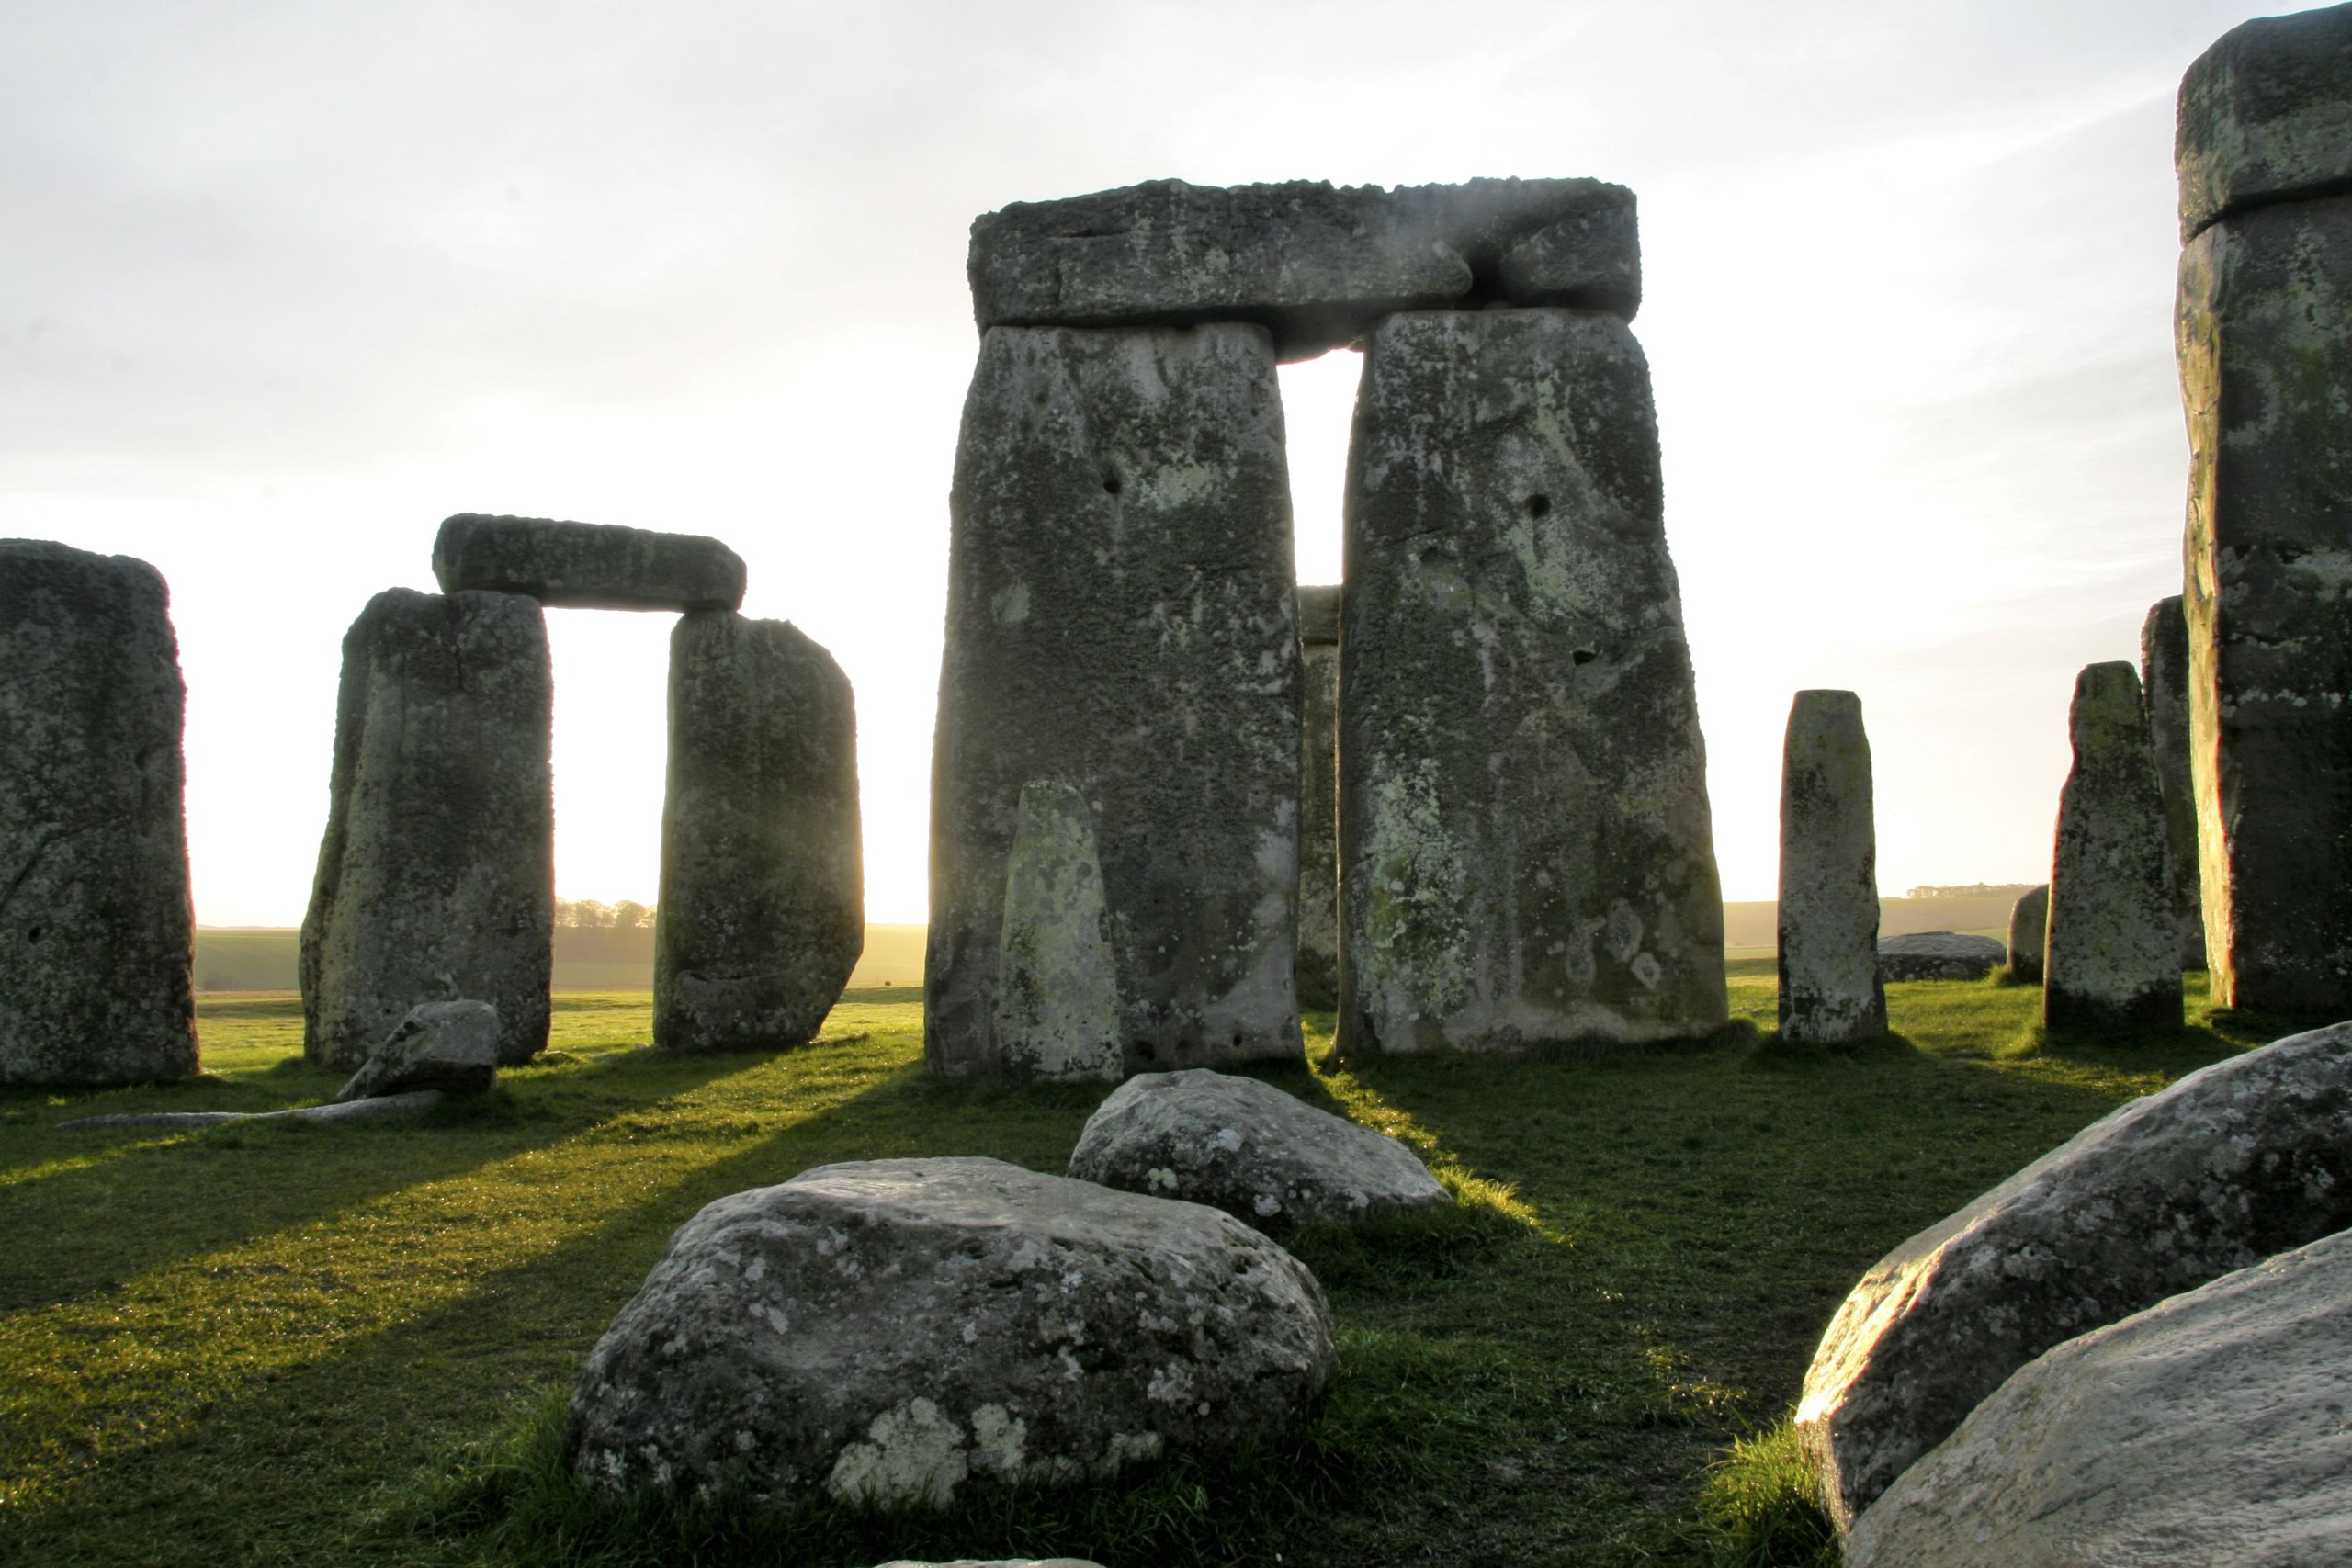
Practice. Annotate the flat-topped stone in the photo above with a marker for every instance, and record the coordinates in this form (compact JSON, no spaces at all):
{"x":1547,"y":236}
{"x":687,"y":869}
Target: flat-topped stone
{"x":1937,"y":955}
{"x":588,"y":566}
{"x":2265,"y":116}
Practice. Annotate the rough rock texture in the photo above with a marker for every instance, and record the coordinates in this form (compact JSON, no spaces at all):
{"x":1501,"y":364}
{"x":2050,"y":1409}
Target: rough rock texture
{"x":762,"y":879}
{"x":592,"y":566}
{"x":2266,"y":371}
{"x":896,"y":1331}
{"x":1244,"y":1147}
{"x":1057,"y":996}
{"x":997,"y":1562}
{"x":2163,"y":690}
{"x":2246,"y":1157}
{"x":1830,"y":989}
{"x":436,"y":875}
{"x":97,"y":936}
{"x":2112,"y":957}
{"x":1122,"y":619}
{"x":2208,"y":1429}
{"x":445,"y":1046}
{"x":2028,"y":930}
{"x":384,"y":1108}
{"x":1316,"y":267}
{"x":1937,"y":955}
{"x":1524,"y":819}
{"x":2265,"y":116}
{"x":1317,"y":969}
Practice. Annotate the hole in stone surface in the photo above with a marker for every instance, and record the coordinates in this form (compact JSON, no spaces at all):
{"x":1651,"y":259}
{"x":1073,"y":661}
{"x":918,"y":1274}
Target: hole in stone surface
{"x":1539,"y":505}
{"x":1584,"y":656}
{"x":1112,"y":484}
{"x":32,"y":933}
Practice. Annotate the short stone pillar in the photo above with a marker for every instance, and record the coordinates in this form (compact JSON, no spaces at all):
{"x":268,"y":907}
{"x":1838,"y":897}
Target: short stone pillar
{"x":2163,"y":687}
{"x":95,"y":930}
{"x":1830,"y":990}
{"x":1523,"y":818}
{"x":2112,"y":960}
{"x":1318,"y":797}
{"x":2028,"y":929}
{"x":436,"y":875}
{"x":762,"y":903}
{"x":1122,"y":620}
{"x":1057,"y":996}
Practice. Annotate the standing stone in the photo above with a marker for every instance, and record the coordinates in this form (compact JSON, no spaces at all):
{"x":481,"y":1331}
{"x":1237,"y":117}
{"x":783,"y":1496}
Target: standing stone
{"x":2112,"y":959}
{"x":763,"y":894}
{"x":96,"y":930}
{"x":437,"y":877}
{"x":2163,"y":688}
{"x":2265,"y":116}
{"x":1058,"y":1002}
{"x":2029,"y":929}
{"x":1830,"y":990}
{"x":587,"y":565}
{"x":1523,"y":818}
{"x":1122,"y":619}
{"x":1318,"y":797}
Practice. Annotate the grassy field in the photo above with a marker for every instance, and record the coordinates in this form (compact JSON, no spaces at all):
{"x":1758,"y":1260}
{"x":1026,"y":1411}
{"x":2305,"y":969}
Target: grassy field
{"x":291,"y":1345}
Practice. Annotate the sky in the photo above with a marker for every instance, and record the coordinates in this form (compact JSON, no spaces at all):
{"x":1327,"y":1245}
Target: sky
{"x":285,"y":284}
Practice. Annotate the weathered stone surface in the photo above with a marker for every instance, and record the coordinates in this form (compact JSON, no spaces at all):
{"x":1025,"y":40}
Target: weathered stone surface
{"x":1244,"y":1147}
{"x":898,"y":1331}
{"x":997,"y":1562}
{"x":592,"y":566}
{"x":2244,"y":1158}
{"x":2028,"y":931}
{"x":2112,"y":957}
{"x":1523,"y":823}
{"x":1318,"y":797}
{"x":451,"y":1046}
{"x":1122,"y":619}
{"x":1830,"y":990}
{"x":1937,"y":955}
{"x":97,"y":936}
{"x":1314,"y":264}
{"x":2266,"y":371}
{"x":763,"y":876}
{"x":2208,"y":1429}
{"x":1058,"y":1000}
{"x":2163,"y":690}
{"x":436,"y":875}
{"x":2265,"y":116}
{"x":382,"y":1108}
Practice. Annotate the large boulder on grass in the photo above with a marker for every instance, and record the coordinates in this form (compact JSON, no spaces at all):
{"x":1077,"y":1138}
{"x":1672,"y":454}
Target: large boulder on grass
{"x":897,"y":1332}
{"x":1937,"y":955}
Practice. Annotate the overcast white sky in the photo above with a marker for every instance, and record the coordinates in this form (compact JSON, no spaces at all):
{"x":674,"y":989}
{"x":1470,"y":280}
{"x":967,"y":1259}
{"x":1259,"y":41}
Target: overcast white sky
{"x":285,"y":284}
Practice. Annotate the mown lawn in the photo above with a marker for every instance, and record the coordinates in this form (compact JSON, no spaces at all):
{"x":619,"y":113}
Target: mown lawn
{"x":307,"y":1346}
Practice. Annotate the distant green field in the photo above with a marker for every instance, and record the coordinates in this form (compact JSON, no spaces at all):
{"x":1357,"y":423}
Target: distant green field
{"x":251,"y":958}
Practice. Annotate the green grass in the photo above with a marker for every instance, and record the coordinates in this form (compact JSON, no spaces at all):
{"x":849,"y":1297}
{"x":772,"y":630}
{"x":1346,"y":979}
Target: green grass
{"x":347,"y":1345}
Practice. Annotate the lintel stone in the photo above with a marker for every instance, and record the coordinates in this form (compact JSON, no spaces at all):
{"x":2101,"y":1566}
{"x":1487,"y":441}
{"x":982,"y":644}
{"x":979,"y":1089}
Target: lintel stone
{"x":586,"y":566}
{"x":2265,"y":116}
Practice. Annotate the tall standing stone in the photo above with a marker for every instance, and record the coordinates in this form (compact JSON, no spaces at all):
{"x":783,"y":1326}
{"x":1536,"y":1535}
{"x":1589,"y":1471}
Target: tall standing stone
{"x":2163,"y":687}
{"x":437,"y":877}
{"x":762,"y":890}
{"x":1318,"y":797}
{"x":1523,"y":815}
{"x":96,"y":931}
{"x":1830,"y":990}
{"x":1121,"y":619}
{"x":2113,"y":955}
{"x":2028,"y":930}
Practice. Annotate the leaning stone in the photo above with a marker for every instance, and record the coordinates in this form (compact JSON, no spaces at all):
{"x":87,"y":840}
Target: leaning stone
{"x":2112,"y":958}
{"x":436,"y":875}
{"x":909,"y":1332}
{"x":2209,"y":1428}
{"x":590,"y":566}
{"x":2029,"y":929}
{"x":1830,"y":990}
{"x":2244,"y":1158}
{"x":1937,"y":955}
{"x":1247,"y":1147}
{"x":97,"y":937}
{"x":1317,"y":969}
{"x":2265,"y":116}
{"x":2163,"y":688}
{"x":1057,"y":1001}
{"x":1122,"y":620}
{"x":382,"y":1109}
{"x":1524,"y":820}
{"x":451,"y":1046}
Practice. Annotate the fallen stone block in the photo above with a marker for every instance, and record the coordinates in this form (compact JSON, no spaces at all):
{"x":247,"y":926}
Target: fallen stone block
{"x":379,"y":1110}
{"x":451,"y":1046}
{"x":2265,"y":116}
{"x":588,"y":566}
{"x":1937,"y":955}
{"x":1830,"y":988}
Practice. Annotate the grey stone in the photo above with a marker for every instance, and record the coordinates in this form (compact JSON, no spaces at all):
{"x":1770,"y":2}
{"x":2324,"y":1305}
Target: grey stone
{"x":384,"y":1108}
{"x":1263,"y":1156}
{"x":2163,"y":688}
{"x":437,"y":874}
{"x":2209,"y":1429}
{"x":997,"y":1562}
{"x":2112,"y":957}
{"x":1318,"y":797}
{"x":1937,"y":955}
{"x":590,"y":566}
{"x":1057,"y":998}
{"x":1526,"y":848}
{"x":762,"y":890}
{"x":909,"y":1332}
{"x":2244,"y":1158}
{"x":2265,"y":116}
{"x":1830,"y":989}
{"x":451,"y":1046}
{"x":1315,"y":266}
{"x":97,"y":936}
{"x":1122,"y":619}
{"x":2028,"y":931}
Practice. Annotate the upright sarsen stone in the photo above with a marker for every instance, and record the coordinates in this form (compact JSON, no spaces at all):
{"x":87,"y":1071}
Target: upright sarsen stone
{"x":1121,"y":619}
{"x":2113,"y":955}
{"x":763,"y":891}
{"x":1830,"y":990}
{"x":96,"y":931}
{"x":1319,"y":790}
{"x":2028,"y":930}
{"x":1523,"y":817}
{"x":2163,"y":688}
{"x":437,"y":877}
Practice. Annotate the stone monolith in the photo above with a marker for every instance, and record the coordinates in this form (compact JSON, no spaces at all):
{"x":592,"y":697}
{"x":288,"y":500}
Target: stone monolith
{"x":2112,"y":957}
{"x":1122,"y":619}
{"x":2028,"y":929}
{"x":1318,"y":797}
{"x":97,"y":937}
{"x":2163,"y":690}
{"x":1830,"y":990}
{"x":1523,"y":815}
{"x":763,"y":910}
{"x":2265,"y":116}
{"x":436,"y":875}
{"x":586,"y":566}
{"x":1057,"y":996}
